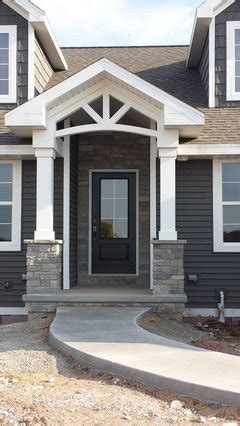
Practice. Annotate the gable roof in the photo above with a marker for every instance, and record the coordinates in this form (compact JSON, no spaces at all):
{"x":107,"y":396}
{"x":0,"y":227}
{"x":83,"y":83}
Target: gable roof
{"x":162,"y":66}
{"x":32,"y":114}
{"x":42,"y":27}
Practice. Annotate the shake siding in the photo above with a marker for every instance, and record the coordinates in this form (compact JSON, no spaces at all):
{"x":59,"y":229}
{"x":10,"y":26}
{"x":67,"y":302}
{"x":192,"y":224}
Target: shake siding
{"x":216,"y":271}
{"x":232,"y":13}
{"x":43,"y":69}
{"x":10,"y":17}
{"x":204,"y":65}
{"x":13,"y":264}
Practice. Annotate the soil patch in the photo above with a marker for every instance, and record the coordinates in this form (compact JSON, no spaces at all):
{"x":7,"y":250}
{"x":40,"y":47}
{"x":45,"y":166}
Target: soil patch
{"x":39,"y":386}
{"x":201,"y":332}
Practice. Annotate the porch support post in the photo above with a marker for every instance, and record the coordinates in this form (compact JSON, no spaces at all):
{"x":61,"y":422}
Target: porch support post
{"x":45,"y":194}
{"x":167,"y":194}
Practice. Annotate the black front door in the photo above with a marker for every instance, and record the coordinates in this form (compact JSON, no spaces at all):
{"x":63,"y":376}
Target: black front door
{"x":114,"y":223}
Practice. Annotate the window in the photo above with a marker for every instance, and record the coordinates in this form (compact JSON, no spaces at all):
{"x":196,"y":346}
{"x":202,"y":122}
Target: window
{"x":233,"y":60}
{"x":8,"y":63}
{"x":10,"y":205}
{"x":226,"y":198}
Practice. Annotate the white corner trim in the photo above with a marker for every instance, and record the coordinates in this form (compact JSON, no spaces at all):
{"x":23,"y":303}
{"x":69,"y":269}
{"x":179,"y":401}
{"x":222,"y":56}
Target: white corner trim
{"x":232,"y":95}
{"x":211,"y":96}
{"x":31,"y":61}
{"x":219,"y":246}
{"x":15,"y":244}
{"x":153,"y":199}
{"x":13,"y":311}
{"x":66,"y":210}
{"x":12,"y":95}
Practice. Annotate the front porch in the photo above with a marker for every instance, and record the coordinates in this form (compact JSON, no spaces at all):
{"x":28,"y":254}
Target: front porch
{"x":113,"y":127}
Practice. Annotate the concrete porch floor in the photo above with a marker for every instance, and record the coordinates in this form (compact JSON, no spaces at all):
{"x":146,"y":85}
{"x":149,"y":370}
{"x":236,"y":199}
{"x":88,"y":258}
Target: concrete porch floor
{"x":107,"y":295}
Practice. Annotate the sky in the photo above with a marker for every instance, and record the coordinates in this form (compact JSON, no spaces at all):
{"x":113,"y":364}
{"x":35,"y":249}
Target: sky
{"x":120,"y":22}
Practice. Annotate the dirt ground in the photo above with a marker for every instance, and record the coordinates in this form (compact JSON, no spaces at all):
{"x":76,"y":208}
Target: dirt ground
{"x":38,"y":386}
{"x":203,"y":333}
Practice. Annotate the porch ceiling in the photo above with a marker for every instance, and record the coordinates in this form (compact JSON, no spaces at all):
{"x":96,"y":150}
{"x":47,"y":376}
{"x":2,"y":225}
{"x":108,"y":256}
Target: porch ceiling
{"x":35,"y":113}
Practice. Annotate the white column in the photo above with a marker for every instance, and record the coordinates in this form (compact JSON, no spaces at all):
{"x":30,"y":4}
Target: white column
{"x":153,"y":200}
{"x":45,"y":194}
{"x":66,"y":210}
{"x":167,"y":195}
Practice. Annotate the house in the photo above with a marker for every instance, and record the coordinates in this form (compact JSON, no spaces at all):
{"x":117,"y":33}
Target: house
{"x":120,"y":166}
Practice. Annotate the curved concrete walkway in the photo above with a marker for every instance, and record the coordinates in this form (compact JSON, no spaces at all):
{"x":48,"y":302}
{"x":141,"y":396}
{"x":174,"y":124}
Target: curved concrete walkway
{"x":110,"y":339}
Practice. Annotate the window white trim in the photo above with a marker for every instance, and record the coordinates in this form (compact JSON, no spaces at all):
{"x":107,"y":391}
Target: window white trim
{"x":15,"y":244}
{"x":218,"y":244}
{"x":232,"y":95}
{"x":12,"y":95}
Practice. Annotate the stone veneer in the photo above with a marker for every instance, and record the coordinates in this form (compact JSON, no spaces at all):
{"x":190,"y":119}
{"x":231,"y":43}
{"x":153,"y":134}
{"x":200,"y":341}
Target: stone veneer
{"x":44,"y":266}
{"x":168,"y":272}
{"x":114,"y":151}
{"x":44,"y":275}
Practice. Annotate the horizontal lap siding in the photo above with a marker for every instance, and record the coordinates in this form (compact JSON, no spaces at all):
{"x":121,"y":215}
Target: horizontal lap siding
{"x":73,"y":210}
{"x":13,"y":265}
{"x":195,"y":224}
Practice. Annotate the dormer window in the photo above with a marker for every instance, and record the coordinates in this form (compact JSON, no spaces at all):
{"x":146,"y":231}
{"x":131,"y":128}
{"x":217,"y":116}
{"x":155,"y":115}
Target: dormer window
{"x":8,"y":63}
{"x":233,"y":61}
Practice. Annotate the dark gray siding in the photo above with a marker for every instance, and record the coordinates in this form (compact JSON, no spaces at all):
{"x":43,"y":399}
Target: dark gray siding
{"x":13,"y":265}
{"x":204,"y":65}
{"x":195,"y":224}
{"x":10,"y":17}
{"x":73,"y":209}
{"x":232,"y":13}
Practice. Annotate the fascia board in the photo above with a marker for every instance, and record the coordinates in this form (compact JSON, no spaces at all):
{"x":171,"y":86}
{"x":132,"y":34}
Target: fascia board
{"x":185,"y":113}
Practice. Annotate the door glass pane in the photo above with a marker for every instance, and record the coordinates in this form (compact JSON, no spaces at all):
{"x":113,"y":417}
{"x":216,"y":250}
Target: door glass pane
{"x":114,"y":208}
{"x":121,"y":228}
{"x":237,"y":36}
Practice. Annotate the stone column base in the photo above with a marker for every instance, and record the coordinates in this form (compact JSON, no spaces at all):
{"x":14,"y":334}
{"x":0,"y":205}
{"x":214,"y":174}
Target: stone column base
{"x":168,"y":273}
{"x":44,"y":270}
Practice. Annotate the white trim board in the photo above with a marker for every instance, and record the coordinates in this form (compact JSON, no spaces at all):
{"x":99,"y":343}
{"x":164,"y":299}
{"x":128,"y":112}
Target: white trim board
{"x":211,"y":312}
{"x":11,"y":97}
{"x":211,"y":150}
{"x":66,"y":211}
{"x":232,"y":26}
{"x":33,"y":114}
{"x":136,"y":171}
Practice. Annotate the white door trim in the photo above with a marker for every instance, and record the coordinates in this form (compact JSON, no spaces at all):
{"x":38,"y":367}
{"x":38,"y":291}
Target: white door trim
{"x":66,"y":212}
{"x":136,"y":171}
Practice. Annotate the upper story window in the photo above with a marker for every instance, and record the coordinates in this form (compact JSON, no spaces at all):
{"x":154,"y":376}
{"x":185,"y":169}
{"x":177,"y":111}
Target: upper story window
{"x":8,"y":63}
{"x":226,"y":199}
{"x":233,"y":61}
{"x":10,"y":205}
